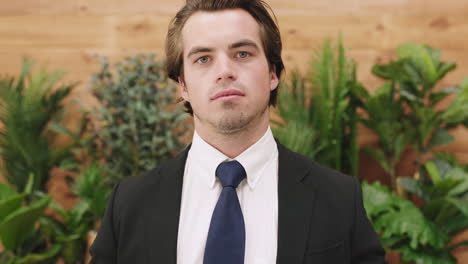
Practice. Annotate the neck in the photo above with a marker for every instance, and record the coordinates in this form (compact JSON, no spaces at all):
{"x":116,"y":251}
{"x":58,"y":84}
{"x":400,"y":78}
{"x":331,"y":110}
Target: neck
{"x":234,"y":143}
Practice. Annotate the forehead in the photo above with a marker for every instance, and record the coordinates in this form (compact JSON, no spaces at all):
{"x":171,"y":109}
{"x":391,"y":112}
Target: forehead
{"x":219,"y":28}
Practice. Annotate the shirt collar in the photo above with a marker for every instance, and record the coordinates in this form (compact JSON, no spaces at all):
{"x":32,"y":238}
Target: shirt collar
{"x":253,"y":159}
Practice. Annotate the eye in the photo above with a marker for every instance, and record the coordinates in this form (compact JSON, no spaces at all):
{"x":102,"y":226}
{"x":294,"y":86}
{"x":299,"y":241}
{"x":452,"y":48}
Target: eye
{"x":243,"y":54}
{"x":203,"y":60}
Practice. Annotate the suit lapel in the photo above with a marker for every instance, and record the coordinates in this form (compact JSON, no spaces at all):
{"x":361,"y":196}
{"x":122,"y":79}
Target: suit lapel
{"x":295,"y":205}
{"x":163,"y":211}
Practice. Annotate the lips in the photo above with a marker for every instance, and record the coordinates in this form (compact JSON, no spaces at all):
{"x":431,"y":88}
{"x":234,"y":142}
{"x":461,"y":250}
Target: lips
{"x":225,"y":93}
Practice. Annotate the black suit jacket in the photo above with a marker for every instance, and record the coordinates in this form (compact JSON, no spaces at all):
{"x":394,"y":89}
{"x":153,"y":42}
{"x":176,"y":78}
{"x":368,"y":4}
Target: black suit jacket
{"x":321,"y":218}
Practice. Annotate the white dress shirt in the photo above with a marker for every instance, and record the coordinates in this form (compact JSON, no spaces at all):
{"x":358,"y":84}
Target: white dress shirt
{"x":258,"y":197}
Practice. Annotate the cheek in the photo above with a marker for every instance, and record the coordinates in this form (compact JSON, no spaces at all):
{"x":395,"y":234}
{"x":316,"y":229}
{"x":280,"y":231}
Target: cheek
{"x":195,"y":95}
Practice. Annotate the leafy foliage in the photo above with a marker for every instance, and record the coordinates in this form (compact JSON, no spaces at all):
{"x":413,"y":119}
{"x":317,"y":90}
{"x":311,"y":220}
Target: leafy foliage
{"x":19,"y":230}
{"x":422,"y":234}
{"x":319,"y":112}
{"x":28,"y":107}
{"x":414,"y":77}
{"x":139,"y":124}
{"x":70,"y":231}
{"x":386,"y":116}
{"x":402,"y":111}
{"x":26,"y":231}
{"x":93,"y":189}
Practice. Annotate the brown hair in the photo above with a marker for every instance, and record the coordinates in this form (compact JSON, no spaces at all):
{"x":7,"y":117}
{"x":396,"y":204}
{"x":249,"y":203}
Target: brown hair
{"x":258,"y":9}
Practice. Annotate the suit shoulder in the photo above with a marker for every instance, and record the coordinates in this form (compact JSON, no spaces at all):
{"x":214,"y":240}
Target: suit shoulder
{"x":133,"y":182}
{"x":318,"y":174}
{"x":147,"y":181}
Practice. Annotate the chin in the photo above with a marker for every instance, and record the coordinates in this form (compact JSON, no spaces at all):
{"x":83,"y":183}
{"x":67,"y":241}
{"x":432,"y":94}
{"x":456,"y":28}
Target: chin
{"x":232,"y":121}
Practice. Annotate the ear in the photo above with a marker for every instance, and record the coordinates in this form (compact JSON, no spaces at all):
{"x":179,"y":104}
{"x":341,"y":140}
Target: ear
{"x":183,"y":89}
{"x":273,"y":79}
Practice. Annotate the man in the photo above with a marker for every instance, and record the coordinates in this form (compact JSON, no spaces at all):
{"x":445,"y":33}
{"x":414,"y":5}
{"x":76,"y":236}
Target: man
{"x":235,"y":195}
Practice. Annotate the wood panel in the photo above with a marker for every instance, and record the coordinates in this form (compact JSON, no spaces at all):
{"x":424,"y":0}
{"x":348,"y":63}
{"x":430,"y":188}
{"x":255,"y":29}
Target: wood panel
{"x":312,"y":8}
{"x":298,"y":32}
{"x":69,"y":40}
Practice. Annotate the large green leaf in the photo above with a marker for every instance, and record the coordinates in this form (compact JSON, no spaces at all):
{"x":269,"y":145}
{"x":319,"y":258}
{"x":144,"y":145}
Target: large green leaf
{"x":413,"y":186}
{"x":457,"y":111}
{"x":411,"y":94}
{"x":443,"y":188}
{"x":427,"y":256}
{"x":392,"y":71}
{"x":433,"y":172}
{"x":376,"y":198}
{"x":410,"y":222}
{"x":16,"y":227}
{"x":6,"y":191}
{"x":462,"y":187}
{"x":460,"y":204}
{"x":9,"y":205}
{"x":424,"y":58}
{"x":443,"y":166}
{"x":455,"y":225}
{"x":399,"y":219}
{"x":445,"y":68}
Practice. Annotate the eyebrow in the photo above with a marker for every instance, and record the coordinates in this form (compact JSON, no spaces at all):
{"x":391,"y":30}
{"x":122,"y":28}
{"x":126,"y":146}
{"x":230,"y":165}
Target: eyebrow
{"x":196,"y":50}
{"x":241,"y":43}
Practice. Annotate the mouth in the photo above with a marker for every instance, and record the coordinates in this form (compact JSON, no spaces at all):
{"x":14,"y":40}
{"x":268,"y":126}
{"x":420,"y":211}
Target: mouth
{"x":227,"y":94}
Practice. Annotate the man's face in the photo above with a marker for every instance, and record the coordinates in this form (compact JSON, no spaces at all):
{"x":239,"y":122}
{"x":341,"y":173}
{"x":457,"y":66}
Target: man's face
{"x":226,"y":73}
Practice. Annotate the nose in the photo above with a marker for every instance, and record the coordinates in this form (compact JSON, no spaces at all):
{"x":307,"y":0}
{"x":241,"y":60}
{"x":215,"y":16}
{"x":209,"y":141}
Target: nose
{"x":225,"y":70}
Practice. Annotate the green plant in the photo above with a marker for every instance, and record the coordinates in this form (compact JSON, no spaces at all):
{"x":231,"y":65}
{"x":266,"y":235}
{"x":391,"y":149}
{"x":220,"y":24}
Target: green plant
{"x":403,"y":112}
{"x":414,"y":78}
{"x":71,"y":228}
{"x":139,"y":124}
{"x":422,"y":234}
{"x":21,"y":237}
{"x":93,"y":188}
{"x":318,"y":113}
{"x":386,"y":117}
{"x":28,"y":107}
{"x":69,"y":231}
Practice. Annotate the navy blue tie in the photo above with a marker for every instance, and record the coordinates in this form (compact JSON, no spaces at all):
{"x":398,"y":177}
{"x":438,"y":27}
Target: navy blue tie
{"x":226,"y":236}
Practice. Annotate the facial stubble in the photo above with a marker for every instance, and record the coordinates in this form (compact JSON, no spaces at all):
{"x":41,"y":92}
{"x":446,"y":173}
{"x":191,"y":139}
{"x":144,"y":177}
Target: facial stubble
{"x":232,"y":120}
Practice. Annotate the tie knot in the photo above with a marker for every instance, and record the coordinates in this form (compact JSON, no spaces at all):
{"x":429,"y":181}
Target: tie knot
{"x":230,"y":173}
